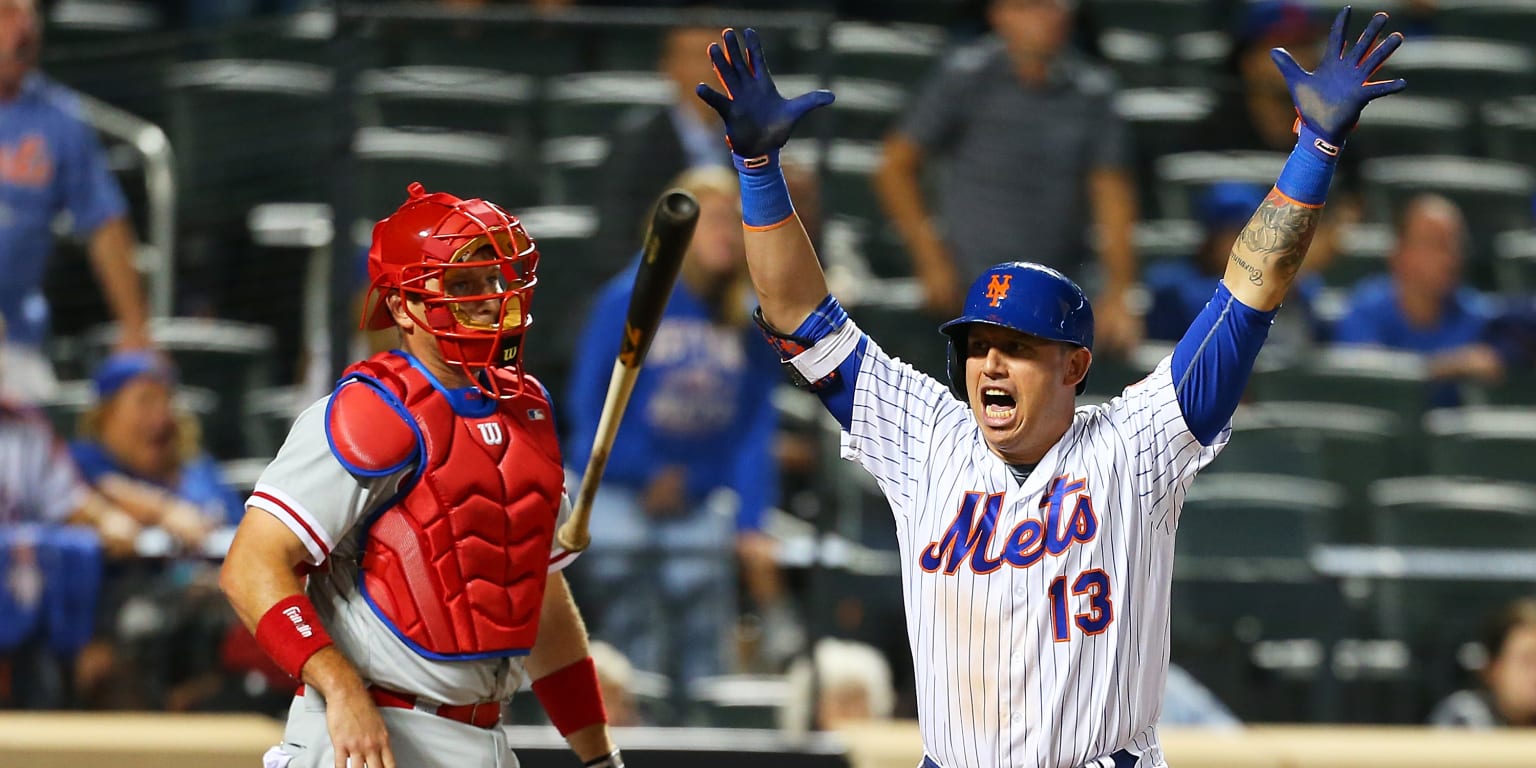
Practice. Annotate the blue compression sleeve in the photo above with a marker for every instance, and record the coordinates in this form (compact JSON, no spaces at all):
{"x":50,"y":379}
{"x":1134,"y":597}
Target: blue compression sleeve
{"x":837,"y":397}
{"x":1212,"y":362}
{"x":837,"y":390}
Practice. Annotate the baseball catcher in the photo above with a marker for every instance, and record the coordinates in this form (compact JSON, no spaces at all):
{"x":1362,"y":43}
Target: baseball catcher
{"x":398,"y":556}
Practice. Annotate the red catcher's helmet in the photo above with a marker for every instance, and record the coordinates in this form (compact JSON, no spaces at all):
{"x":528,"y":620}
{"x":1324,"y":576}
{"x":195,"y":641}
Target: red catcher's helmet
{"x":471,"y":267}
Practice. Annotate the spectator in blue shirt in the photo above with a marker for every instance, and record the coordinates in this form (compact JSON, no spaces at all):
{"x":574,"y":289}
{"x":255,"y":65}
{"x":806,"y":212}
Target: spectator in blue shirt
{"x":1421,"y":305}
{"x":137,"y":449}
{"x":692,"y":471}
{"x":51,"y":162}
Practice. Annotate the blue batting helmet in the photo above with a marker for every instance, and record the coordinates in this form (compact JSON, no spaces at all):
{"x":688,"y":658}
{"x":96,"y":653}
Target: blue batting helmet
{"x":1025,"y":297}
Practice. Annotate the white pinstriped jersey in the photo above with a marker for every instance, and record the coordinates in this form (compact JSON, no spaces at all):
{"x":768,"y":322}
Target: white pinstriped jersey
{"x":1037,"y":613}
{"x":307,"y":489}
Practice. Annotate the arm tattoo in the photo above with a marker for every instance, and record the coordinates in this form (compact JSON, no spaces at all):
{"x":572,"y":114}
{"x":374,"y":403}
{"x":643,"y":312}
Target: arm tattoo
{"x":1276,"y":239}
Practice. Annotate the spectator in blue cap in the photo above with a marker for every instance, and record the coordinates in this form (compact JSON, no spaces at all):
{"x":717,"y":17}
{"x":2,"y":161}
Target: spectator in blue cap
{"x":140,"y":451}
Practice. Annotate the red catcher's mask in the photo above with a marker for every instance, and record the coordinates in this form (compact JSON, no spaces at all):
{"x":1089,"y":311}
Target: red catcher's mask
{"x":472,"y":268}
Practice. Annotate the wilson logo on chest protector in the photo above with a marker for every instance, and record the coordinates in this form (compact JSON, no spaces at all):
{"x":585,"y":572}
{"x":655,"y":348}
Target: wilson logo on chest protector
{"x":490,"y":432}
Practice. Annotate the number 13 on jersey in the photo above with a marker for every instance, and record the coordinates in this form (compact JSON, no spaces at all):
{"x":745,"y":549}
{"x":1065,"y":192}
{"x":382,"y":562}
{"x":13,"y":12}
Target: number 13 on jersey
{"x":1094,"y":584}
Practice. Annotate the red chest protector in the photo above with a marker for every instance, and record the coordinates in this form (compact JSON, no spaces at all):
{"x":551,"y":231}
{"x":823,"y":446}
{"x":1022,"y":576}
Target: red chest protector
{"x":456,"y":563}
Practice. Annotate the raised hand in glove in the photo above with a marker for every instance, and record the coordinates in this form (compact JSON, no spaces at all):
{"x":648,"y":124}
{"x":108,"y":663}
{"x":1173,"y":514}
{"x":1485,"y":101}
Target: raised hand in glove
{"x":757,"y":119}
{"x":1330,"y":99}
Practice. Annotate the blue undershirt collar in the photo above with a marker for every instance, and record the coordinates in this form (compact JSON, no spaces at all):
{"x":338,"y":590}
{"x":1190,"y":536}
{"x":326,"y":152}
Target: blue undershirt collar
{"x":465,"y":401}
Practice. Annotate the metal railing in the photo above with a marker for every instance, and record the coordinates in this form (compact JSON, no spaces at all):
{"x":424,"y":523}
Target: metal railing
{"x":151,"y":144}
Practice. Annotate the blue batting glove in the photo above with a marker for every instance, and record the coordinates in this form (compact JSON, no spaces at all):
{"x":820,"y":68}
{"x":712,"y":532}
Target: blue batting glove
{"x":1330,"y":99}
{"x":758,"y":120}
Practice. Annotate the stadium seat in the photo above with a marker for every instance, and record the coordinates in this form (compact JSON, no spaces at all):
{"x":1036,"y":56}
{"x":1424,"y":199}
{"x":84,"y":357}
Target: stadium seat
{"x":1510,"y":130}
{"x":270,"y":412}
{"x":1200,"y":58}
{"x":1243,"y":567}
{"x":848,"y":192}
{"x":466,"y":164}
{"x":1469,"y":70}
{"x":905,"y":333}
{"x":591,"y":103}
{"x":230,"y":152}
{"x":96,"y":21}
{"x":1111,"y":373}
{"x":1252,"y":522}
{"x":1415,"y":125}
{"x":107,"y":48}
{"x":1166,"y":19}
{"x":1494,"y":196}
{"x":1483,"y":441}
{"x":1454,"y":512}
{"x":221,"y":356}
{"x":866,"y":109}
{"x":1350,"y":446}
{"x":1183,"y":176}
{"x":1363,"y":251}
{"x":1135,"y":56}
{"x":1511,"y":20}
{"x":531,"y":49}
{"x":1516,"y":266}
{"x":571,"y":166}
{"x":305,"y":36}
{"x":1160,"y":121}
{"x":456,"y":98}
{"x":741,"y":701}
{"x":900,"y":53}
{"x":1364,"y":376}
{"x":241,"y":474}
{"x":1158,"y":240}
{"x":1461,"y":520}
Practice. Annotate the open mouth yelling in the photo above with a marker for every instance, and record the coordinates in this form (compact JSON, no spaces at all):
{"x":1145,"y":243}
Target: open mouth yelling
{"x":997,"y":407}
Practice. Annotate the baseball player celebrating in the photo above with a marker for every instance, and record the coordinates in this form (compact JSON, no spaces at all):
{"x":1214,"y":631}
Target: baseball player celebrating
{"x":1037,"y":539}
{"x":421,"y":499}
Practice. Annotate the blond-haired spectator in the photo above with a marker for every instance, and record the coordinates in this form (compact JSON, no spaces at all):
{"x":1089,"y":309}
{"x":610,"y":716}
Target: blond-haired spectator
{"x":852,"y":684}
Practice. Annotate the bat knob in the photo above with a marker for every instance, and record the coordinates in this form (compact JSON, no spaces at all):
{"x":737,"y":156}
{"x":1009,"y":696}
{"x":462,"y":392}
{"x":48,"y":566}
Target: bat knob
{"x":680,"y":205}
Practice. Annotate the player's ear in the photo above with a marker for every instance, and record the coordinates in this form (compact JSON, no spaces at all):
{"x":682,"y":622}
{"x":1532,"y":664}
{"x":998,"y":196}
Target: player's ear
{"x":1078,"y":361}
{"x":397,"y":310}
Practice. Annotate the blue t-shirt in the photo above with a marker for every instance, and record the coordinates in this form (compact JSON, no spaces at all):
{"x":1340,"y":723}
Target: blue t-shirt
{"x":1375,"y":317}
{"x":702,"y":401}
{"x":50,"y":162}
{"x":199,"y":483}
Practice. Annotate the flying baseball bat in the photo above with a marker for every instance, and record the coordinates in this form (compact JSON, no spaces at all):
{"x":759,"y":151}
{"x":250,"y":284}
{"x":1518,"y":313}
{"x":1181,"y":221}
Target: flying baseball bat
{"x":666,"y":240}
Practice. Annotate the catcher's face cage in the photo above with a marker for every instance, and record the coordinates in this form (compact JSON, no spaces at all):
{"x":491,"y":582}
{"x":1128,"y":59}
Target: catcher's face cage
{"x":478,"y":305}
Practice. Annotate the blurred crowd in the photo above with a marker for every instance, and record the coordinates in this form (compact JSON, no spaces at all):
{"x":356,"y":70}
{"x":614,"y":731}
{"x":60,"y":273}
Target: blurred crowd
{"x":1018,"y":138}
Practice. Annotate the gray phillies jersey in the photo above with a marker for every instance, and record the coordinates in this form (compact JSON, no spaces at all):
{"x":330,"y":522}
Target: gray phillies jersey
{"x":323,"y":504}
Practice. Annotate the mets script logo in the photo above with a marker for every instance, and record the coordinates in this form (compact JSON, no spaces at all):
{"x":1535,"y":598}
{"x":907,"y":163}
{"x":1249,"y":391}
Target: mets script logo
{"x":490,"y":432}
{"x":997,"y":289}
{"x":969,"y":535}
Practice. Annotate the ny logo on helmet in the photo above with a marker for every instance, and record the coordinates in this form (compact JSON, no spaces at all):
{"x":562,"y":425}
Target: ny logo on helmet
{"x":997,"y":289}
{"x":490,"y":432}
